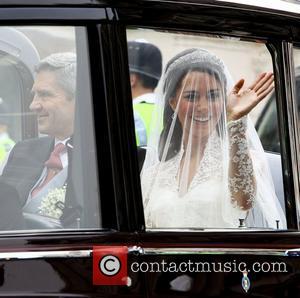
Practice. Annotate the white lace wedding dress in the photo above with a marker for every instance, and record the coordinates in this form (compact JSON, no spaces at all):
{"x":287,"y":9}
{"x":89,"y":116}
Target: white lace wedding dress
{"x":208,"y":201}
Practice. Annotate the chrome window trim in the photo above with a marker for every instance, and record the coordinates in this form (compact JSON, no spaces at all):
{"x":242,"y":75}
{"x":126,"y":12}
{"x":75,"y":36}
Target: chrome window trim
{"x":216,"y":251}
{"x":24,"y":255}
{"x":209,"y":230}
{"x":135,"y":250}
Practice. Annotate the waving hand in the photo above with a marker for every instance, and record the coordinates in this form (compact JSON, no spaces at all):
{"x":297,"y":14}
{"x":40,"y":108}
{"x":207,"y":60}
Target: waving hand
{"x":241,"y":101}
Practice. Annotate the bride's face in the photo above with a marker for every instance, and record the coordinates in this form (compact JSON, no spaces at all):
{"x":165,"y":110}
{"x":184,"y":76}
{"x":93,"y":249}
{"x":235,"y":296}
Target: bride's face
{"x":198,"y":103}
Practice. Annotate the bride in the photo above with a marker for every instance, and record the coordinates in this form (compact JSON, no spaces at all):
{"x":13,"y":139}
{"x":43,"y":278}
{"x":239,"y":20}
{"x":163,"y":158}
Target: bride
{"x":205,"y":166}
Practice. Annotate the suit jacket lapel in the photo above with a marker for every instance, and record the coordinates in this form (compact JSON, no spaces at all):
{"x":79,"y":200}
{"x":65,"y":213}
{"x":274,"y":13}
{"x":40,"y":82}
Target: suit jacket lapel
{"x":26,"y":163}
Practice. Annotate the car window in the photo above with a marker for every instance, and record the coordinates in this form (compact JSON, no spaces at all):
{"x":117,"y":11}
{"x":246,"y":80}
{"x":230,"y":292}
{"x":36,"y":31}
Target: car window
{"x":267,"y":124}
{"x":296,"y":53}
{"x":47,"y":148}
{"x":202,"y":163}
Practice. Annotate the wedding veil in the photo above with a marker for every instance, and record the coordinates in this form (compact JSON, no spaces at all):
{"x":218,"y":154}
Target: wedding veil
{"x":201,"y":170}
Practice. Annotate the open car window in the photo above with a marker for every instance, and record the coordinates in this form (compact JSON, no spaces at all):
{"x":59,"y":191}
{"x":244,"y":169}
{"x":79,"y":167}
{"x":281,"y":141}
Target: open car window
{"x":47,"y":146}
{"x":182,"y":86}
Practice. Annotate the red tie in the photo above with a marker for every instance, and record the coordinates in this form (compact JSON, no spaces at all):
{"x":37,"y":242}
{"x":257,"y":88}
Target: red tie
{"x":53,"y":165}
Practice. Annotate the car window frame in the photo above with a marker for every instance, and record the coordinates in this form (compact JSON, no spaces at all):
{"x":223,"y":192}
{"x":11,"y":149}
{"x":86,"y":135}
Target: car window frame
{"x":276,"y":47}
{"x":126,"y":194}
{"x":286,"y":101}
{"x":76,"y":17}
{"x":296,"y":118}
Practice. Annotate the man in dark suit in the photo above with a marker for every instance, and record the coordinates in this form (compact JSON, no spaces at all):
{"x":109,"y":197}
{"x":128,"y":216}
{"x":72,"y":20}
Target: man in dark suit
{"x":38,"y":166}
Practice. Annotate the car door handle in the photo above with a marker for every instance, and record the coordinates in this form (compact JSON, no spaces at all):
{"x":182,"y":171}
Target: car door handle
{"x":293,"y":252}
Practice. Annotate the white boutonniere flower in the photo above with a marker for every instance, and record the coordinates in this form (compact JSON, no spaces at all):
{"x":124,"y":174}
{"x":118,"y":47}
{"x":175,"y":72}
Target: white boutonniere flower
{"x":53,"y":204}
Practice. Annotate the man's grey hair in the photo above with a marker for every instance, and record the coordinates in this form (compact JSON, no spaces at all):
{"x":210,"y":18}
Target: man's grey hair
{"x":64,"y":67}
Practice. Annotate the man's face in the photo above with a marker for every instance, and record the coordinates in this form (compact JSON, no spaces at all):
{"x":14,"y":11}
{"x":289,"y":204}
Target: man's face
{"x":54,"y":109}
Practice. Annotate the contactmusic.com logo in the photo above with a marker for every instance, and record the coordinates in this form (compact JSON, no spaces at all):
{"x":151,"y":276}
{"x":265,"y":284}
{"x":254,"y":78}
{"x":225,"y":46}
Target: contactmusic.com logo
{"x":110,"y":265}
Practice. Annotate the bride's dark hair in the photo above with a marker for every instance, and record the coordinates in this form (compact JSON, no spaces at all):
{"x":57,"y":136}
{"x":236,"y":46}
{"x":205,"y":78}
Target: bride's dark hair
{"x":176,"y":69}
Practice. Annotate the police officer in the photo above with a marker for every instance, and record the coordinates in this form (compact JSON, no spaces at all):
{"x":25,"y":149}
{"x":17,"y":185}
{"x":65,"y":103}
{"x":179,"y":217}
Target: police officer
{"x":145,"y":66}
{"x":6,"y":143}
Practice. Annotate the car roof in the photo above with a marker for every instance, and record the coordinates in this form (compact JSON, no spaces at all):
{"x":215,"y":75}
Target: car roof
{"x":291,"y":6}
{"x":262,"y":11}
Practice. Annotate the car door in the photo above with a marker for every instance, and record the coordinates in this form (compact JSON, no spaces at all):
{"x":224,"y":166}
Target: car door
{"x":103,"y":201}
{"x":49,"y":252}
{"x":219,"y":262}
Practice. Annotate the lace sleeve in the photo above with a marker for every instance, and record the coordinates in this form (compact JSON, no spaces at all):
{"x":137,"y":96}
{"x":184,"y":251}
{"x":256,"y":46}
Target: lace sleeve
{"x":242,"y":184}
{"x":147,"y":180}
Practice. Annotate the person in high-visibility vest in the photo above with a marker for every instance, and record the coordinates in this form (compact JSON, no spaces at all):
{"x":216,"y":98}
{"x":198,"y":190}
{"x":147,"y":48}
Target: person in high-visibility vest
{"x":6,"y":143}
{"x":145,"y":66}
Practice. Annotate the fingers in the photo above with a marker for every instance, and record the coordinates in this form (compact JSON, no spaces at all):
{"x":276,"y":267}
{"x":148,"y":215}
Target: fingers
{"x":262,"y":86}
{"x":260,"y":77}
{"x":238,"y":86}
{"x":266,"y":86}
{"x":251,"y":104}
{"x":262,"y":95}
{"x":264,"y":82}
